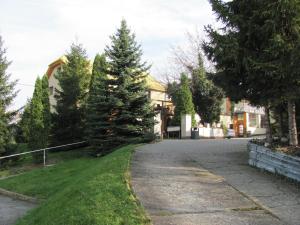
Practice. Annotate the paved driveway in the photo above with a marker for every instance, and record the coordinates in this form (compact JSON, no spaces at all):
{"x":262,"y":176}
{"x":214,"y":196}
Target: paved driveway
{"x":207,"y":182}
{"x":11,"y":209}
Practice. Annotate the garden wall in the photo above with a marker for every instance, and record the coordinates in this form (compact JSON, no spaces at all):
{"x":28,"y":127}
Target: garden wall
{"x":208,"y":132}
{"x":274,"y":162}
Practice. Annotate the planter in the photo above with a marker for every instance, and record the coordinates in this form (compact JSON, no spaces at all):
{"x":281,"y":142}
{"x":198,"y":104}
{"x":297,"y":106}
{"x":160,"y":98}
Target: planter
{"x":274,"y":162}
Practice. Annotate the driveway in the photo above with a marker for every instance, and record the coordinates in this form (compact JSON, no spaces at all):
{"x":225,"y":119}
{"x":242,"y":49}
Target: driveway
{"x":207,"y":182}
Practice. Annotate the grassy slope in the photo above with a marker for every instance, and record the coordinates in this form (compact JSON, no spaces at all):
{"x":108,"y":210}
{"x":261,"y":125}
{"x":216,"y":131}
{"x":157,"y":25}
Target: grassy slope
{"x":84,"y":191}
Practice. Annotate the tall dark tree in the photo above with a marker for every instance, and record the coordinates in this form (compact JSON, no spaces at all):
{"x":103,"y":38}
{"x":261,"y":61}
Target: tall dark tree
{"x":25,"y":122}
{"x":133,"y":114}
{"x":284,"y":49}
{"x":100,"y":105}
{"x":7,"y":95}
{"x":255,"y":54}
{"x":207,"y":97}
{"x":73,"y":79}
{"x":38,"y":136}
{"x":46,"y":109}
{"x":183,"y":101}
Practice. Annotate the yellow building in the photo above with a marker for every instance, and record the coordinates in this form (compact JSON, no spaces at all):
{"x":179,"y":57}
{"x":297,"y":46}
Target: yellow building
{"x":156,"y":91}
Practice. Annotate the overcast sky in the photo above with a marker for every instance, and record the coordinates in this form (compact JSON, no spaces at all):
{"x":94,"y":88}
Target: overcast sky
{"x":36,"y":32}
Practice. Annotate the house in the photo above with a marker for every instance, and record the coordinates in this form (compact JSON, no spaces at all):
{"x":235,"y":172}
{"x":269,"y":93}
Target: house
{"x":156,"y":91}
{"x":243,"y":118}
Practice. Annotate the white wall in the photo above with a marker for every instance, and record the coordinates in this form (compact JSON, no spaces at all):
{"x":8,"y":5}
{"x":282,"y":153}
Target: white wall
{"x":211,"y":132}
{"x":226,"y":120}
{"x":257,"y":130}
{"x":186,"y":126}
{"x":157,"y":126}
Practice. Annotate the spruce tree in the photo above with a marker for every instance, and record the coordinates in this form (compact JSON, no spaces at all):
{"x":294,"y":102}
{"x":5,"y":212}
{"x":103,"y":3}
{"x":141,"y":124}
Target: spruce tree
{"x":73,"y":79}
{"x":207,"y":97}
{"x":46,"y":109}
{"x":38,"y":135}
{"x":184,"y":101}
{"x":7,"y":95}
{"x":133,"y":115}
{"x":257,"y":53}
{"x":100,"y":105}
{"x":25,"y":122}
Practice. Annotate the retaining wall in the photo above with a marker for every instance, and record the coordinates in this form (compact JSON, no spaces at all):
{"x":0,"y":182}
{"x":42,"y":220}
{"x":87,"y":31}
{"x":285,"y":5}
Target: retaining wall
{"x":274,"y":162}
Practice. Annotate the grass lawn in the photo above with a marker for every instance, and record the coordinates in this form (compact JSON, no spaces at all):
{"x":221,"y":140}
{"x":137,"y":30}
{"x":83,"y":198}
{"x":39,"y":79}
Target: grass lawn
{"x":81,"y":191}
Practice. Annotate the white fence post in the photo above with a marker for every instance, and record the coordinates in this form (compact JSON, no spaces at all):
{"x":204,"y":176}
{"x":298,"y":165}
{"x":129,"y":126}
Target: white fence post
{"x":44,"y":157}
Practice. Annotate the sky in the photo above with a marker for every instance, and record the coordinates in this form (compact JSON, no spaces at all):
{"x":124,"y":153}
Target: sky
{"x":36,"y":32}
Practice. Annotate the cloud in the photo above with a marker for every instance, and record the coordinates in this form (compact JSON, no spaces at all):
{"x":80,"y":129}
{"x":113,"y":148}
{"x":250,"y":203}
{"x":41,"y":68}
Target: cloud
{"x":37,"y":32}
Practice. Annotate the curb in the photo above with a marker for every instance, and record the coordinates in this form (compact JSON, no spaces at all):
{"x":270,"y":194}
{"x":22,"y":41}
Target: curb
{"x":18,"y":196}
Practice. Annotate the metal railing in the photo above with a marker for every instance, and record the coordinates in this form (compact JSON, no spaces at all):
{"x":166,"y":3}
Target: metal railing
{"x":42,"y":149}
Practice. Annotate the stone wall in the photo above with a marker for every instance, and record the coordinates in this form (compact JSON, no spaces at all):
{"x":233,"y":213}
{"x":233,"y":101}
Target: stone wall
{"x":274,"y":162}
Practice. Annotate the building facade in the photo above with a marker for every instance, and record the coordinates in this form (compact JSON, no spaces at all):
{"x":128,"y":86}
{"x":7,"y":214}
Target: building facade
{"x":243,"y":118}
{"x":156,"y":91}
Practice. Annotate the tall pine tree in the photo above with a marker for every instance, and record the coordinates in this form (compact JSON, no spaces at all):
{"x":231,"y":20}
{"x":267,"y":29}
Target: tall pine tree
{"x":207,"y":97}
{"x":256,"y":53}
{"x":25,"y":122}
{"x":46,"y":109}
{"x":184,"y":101}
{"x":38,"y":136}
{"x":100,"y":105}
{"x":133,"y":115}
{"x":73,"y":79}
{"x":7,"y":95}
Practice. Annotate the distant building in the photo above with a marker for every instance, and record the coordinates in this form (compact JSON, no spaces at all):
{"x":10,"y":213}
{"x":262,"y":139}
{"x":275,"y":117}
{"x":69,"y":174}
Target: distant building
{"x":243,"y":118}
{"x":156,"y":92}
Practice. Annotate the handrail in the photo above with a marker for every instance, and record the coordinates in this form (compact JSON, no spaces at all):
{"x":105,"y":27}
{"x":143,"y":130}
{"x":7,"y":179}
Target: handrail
{"x":42,"y":149}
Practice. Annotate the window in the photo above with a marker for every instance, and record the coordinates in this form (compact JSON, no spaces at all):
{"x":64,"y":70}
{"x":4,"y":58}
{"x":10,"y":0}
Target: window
{"x":240,"y":116}
{"x":252,"y":120}
{"x":51,"y":90}
{"x":262,"y":121}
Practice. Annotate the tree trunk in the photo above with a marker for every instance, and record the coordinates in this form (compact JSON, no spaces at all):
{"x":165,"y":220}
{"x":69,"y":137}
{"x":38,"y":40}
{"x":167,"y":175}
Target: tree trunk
{"x":293,"y":138}
{"x":280,"y":131}
{"x":269,"y":138}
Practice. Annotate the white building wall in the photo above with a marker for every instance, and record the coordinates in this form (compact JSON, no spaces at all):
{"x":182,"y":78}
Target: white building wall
{"x":257,"y":130}
{"x":208,"y":132}
{"x":53,"y":84}
{"x":157,"y":126}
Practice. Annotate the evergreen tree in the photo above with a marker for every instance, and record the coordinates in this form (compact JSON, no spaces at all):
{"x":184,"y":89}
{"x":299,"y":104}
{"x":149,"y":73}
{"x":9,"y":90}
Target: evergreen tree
{"x":256,"y":55}
{"x":133,"y":115}
{"x":283,"y":19}
{"x":39,"y":120}
{"x":25,"y":122}
{"x":184,"y":101}
{"x":207,"y":98}
{"x":7,"y":95}
{"x":73,"y":79}
{"x":100,"y":104}
{"x":46,"y":109}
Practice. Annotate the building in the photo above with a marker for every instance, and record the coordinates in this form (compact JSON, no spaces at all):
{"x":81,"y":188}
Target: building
{"x":243,"y":118}
{"x":156,"y":91}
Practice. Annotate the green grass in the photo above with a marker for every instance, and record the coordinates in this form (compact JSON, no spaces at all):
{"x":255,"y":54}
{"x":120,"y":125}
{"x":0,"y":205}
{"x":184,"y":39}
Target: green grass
{"x":25,"y":163}
{"x":83,"y":191}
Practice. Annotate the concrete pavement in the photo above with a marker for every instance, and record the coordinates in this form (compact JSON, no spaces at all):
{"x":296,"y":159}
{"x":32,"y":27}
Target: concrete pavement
{"x":203,"y":182}
{"x":11,"y":210}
